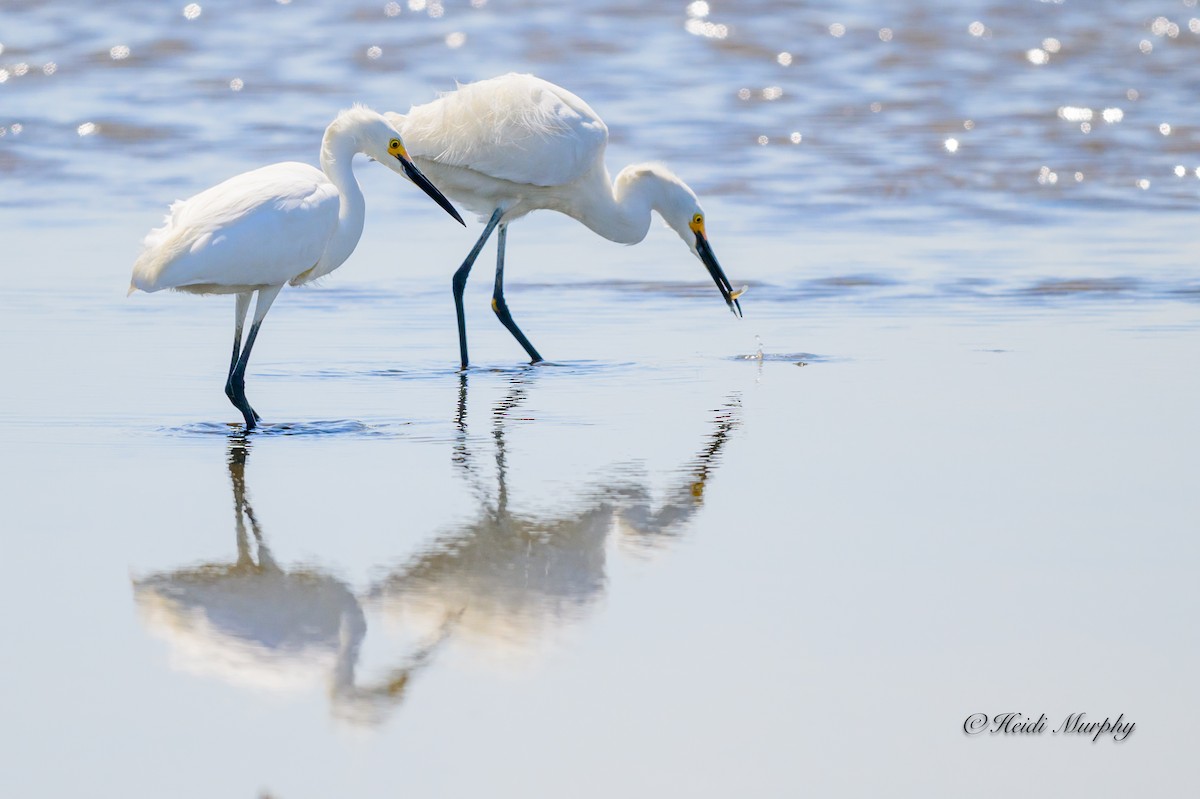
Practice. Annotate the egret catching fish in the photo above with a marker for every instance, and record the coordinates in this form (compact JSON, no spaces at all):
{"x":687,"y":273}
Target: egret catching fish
{"x":287,"y":223}
{"x":510,"y":145}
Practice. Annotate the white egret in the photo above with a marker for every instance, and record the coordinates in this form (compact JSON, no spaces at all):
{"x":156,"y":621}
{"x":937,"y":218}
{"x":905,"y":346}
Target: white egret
{"x":506,"y":146}
{"x":284,"y":223}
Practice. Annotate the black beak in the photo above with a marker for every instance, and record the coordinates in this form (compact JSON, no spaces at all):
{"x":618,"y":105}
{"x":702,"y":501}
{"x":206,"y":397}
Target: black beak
{"x":423,"y":183}
{"x":718,"y":275}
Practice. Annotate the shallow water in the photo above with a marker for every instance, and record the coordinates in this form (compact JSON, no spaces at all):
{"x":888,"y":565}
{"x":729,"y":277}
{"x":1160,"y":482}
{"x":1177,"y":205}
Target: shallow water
{"x":945,"y":465}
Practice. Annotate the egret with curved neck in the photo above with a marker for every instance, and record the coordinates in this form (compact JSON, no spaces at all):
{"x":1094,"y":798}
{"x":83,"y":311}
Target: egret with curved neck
{"x":287,"y":223}
{"x":510,"y":145}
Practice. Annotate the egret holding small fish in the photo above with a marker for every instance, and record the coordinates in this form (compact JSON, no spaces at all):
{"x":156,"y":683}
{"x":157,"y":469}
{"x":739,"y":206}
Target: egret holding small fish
{"x":510,"y":145}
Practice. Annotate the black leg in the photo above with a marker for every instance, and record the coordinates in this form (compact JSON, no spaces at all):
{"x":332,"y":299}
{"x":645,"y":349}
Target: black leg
{"x":243,"y":304}
{"x":460,"y":283}
{"x":498,"y":303}
{"x":236,"y":387}
{"x":229,"y":389}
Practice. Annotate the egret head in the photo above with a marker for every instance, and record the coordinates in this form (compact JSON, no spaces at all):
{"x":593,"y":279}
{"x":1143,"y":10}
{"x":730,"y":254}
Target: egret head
{"x":676,"y":203}
{"x":683,"y":213}
{"x":379,"y":140}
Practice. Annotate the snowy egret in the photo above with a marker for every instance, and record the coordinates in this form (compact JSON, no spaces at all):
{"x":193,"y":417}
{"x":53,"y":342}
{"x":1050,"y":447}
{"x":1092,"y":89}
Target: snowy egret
{"x":284,"y":223}
{"x":506,"y":146}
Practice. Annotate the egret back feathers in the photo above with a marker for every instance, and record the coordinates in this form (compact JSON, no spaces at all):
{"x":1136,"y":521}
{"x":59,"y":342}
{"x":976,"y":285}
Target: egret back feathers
{"x":515,"y":127}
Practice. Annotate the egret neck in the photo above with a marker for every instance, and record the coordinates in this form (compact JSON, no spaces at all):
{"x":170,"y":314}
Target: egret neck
{"x":337,"y":154}
{"x":620,"y":211}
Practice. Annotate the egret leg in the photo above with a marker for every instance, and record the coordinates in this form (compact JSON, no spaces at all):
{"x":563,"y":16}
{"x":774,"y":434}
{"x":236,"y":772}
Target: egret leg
{"x":498,"y":303}
{"x":460,"y":283}
{"x":243,"y":305}
{"x":237,"y":378}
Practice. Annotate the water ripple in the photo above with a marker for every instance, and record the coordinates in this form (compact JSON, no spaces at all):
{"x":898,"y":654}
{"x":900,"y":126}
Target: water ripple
{"x":331,"y":427}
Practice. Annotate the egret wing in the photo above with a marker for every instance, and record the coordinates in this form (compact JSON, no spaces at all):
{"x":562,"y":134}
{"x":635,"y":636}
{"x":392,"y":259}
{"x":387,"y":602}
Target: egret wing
{"x":262,"y":227}
{"x":515,"y":127}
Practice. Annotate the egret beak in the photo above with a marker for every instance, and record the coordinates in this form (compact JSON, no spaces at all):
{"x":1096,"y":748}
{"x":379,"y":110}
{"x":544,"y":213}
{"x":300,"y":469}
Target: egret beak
{"x":718,"y":275}
{"x":414,"y":174}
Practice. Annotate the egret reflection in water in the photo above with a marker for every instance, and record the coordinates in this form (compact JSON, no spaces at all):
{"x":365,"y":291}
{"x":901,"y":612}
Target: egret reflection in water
{"x":253,"y":623}
{"x":507,"y":580}
{"x":503,"y":582}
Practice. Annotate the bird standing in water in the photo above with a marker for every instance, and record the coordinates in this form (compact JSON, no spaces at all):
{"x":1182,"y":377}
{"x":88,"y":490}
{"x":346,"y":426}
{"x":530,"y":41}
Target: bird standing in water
{"x":284,"y":223}
{"x":510,"y":145}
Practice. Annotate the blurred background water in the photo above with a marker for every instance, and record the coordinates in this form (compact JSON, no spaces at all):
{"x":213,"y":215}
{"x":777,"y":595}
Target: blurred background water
{"x":1006,"y":110}
{"x":945,"y":465}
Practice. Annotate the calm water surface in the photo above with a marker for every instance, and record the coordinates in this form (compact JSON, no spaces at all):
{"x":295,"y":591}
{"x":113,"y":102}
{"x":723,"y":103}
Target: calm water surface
{"x":945,"y":465}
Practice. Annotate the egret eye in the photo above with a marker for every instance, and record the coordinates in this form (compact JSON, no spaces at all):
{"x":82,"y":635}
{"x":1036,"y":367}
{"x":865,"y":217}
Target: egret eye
{"x":697,"y":219}
{"x":394,"y":145}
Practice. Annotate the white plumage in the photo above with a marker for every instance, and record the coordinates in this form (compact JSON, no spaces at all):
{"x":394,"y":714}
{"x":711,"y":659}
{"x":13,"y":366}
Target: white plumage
{"x":514,"y":144}
{"x":284,"y":223}
{"x":516,"y":127}
{"x":261,"y":228}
